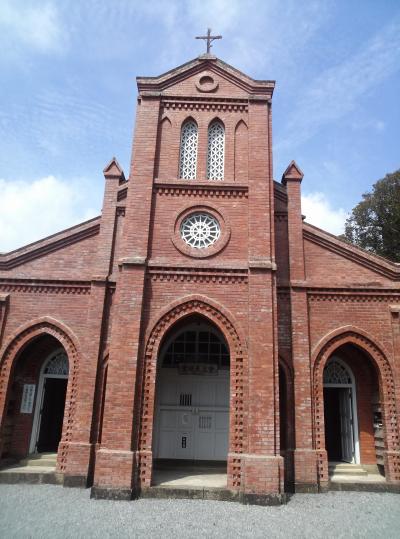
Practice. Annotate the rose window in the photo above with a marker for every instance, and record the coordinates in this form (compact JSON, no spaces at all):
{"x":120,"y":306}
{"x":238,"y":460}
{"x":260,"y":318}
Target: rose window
{"x":200,"y":230}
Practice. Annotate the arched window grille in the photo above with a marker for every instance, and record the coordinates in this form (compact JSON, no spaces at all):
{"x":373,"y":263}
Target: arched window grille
{"x":57,"y":365}
{"x":196,"y":344}
{"x":336,"y":373}
{"x":216,"y":151}
{"x":188,"y":151}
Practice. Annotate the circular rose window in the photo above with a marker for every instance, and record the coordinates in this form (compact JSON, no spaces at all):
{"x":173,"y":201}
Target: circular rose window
{"x":200,"y":230}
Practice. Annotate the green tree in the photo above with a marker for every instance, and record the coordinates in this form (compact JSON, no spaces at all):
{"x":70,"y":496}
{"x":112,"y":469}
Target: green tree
{"x":374,"y":224}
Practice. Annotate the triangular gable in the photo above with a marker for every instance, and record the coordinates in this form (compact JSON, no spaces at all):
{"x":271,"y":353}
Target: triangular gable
{"x":375,"y":263}
{"x":293,"y":172}
{"x":113,"y":169}
{"x":52,"y":243}
{"x":206,"y":62}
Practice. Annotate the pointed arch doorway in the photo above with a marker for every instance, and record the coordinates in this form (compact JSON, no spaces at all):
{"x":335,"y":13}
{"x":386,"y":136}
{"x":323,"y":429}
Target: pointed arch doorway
{"x":50,"y":404}
{"x":340,"y":410}
{"x":192,"y":394}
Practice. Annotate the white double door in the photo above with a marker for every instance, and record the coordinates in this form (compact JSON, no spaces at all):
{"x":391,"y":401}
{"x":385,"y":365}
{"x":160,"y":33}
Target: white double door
{"x":192,"y":420}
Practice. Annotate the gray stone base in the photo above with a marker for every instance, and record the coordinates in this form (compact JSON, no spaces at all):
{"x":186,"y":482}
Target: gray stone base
{"x":306,"y":488}
{"x":215,"y":494}
{"x":13,"y":478}
{"x":263,"y":499}
{"x":75,"y":481}
{"x":364,"y":487}
{"x":101,"y":493}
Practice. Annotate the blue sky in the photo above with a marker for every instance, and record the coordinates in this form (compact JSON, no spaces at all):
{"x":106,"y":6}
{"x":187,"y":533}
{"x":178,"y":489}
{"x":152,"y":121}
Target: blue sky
{"x":68,"y":91}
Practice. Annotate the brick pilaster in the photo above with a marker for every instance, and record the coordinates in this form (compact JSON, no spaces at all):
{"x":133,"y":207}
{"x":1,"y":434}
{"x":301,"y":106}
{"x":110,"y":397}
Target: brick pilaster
{"x":262,"y":466}
{"x":80,"y":448}
{"x":116,"y":459}
{"x":305,"y":457}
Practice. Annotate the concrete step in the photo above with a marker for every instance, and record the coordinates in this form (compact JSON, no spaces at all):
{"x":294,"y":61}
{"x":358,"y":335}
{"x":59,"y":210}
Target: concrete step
{"x":346,"y":469}
{"x":42,"y":460}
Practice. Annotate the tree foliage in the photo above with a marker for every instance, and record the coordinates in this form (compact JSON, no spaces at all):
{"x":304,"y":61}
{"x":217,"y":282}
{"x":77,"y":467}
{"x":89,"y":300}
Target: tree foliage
{"x":374,"y":224}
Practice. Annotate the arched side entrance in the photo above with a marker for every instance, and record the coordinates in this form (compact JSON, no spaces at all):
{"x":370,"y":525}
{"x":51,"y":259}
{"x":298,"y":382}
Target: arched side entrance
{"x":22,"y":379}
{"x":237,"y":430}
{"x":340,"y":413}
{"x":50,"y":403}
{"x":375,"y":387}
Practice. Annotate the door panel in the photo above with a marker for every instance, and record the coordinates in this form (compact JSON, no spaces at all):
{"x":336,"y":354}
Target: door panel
{"x":346,"y":423}
{"x":192,"y":423}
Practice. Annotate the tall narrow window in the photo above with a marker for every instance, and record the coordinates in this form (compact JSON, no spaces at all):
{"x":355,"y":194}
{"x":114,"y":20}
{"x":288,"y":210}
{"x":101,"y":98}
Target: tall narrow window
{"x":216,"y":151}
{"x":188,"y":152}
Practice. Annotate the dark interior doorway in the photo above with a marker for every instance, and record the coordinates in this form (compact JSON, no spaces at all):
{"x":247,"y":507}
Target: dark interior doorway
{"x":333,"y":433}
{"x":52,"y":414}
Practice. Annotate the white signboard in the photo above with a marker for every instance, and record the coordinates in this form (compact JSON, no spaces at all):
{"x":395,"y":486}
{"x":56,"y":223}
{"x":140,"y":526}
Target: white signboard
{"x":28,"y":395}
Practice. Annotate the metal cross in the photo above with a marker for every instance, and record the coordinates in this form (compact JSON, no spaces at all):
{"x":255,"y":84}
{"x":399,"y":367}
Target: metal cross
{"x":209,"y":39}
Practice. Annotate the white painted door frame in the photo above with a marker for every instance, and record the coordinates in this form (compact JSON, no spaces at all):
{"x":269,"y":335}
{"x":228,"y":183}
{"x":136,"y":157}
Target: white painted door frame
{"x":354,"y":425}
{"x":39,"y":400}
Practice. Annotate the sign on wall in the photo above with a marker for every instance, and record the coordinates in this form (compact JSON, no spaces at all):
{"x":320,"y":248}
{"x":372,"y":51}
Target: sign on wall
{"x":28,"y":395}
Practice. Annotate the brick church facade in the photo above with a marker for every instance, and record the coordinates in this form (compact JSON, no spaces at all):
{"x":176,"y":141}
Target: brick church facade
{"x":200,"y":318}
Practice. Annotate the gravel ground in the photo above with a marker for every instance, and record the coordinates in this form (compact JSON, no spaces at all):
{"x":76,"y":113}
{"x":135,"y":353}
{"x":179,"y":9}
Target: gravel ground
{"x":52,"y":511}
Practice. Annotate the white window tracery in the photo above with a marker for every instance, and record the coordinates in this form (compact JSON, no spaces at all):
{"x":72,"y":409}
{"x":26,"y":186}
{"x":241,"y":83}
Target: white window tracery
{"x":188,"y":151}
{"x":216,"y":151}
{"x":58,"y":364}
{"x":336,"y":373}
{"x":200,"y":230}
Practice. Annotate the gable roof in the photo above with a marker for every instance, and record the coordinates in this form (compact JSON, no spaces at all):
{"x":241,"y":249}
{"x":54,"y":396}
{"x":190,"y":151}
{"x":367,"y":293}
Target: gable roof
{"x":332,"y":243}
{"x":211,"y":63}
{"x":52,"y":243}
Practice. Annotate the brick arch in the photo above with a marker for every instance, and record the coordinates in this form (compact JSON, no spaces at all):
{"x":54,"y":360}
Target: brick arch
{"x":214,"y":120}
{"x":222,"y":319}
{"x":321,"y":354}
{"x":12,"y":350}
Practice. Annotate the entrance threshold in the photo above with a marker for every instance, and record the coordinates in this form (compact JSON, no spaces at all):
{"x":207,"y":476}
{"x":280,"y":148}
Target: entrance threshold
{"x":189,"y":474}
{"x":35,"y":469}
{"x":343,"y":472}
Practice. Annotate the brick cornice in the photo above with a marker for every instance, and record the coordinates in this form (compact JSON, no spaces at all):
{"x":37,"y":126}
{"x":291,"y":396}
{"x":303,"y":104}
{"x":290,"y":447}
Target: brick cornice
{"x":196,"y":275}
{"x":353,"y":297}
{"x":209,"y":188}
{"x":205,"y":103}
{"x":39,"y":286}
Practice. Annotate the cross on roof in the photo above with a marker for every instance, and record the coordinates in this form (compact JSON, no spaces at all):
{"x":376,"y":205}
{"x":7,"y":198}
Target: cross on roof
{"x":209,"y":39}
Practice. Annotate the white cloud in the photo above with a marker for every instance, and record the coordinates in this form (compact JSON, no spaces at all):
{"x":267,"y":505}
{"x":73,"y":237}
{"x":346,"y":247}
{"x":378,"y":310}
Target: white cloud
{"x":337,"y":90}
{"x":31,"y":211}
{"x":319,"y":212}
{"x":30,"y":27}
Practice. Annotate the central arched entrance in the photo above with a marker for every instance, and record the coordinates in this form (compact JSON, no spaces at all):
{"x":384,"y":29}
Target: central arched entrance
{"x":192,"y":395}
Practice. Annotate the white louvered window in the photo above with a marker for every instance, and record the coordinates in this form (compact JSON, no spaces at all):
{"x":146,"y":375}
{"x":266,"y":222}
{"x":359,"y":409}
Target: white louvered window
{"x":216,"y":151}
{"x":188,"y":151}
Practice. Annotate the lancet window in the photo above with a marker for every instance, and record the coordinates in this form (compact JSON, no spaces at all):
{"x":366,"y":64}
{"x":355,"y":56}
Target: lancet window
{"x":188,"y":151}
{"x":216,"y":151}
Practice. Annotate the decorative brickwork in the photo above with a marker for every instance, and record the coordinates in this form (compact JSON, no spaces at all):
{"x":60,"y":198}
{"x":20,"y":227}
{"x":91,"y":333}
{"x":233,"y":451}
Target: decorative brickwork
{"x":276,"y":287}
{"x":237,"y":405}
{"x":10,"y":354}
{"x":390,"y":418}
{"x":205,"y":105}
